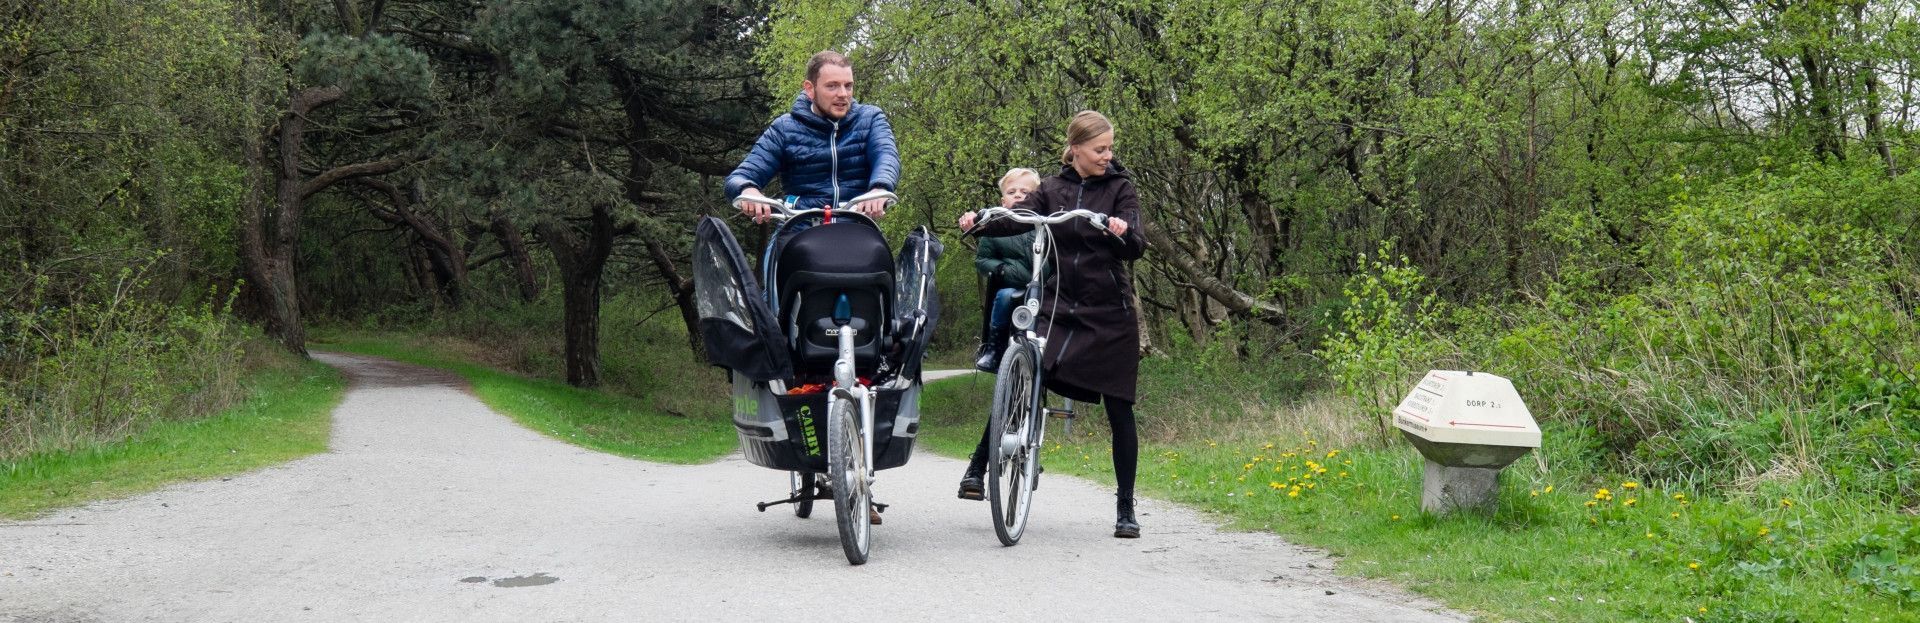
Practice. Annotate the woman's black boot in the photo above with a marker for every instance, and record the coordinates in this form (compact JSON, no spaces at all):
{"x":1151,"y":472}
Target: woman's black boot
{"x":1124,"y":527}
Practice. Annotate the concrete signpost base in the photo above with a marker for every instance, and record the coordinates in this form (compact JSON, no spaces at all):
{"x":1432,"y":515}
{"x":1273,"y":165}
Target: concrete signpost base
{"x":1448,"y":489}
{"x":1468,"y":426}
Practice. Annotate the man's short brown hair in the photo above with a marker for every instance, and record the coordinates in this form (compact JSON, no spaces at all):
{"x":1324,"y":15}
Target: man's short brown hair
{"x":822,"y":59}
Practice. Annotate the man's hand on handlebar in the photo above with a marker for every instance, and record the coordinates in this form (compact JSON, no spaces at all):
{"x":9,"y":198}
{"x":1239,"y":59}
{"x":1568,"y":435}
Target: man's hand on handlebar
{"x":966,"y":221}
{"x":1117,"y":226}
{"x":873,"y":208}
{"x":759,"y":211}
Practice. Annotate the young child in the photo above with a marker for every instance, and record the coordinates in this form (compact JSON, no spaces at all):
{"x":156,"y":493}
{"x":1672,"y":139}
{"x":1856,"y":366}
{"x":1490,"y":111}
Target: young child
{"x":1006,"y":264}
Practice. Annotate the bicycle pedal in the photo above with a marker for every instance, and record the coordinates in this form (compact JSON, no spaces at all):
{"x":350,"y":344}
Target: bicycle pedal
{"x":1060,"y":413}
{"x":879,"y":507}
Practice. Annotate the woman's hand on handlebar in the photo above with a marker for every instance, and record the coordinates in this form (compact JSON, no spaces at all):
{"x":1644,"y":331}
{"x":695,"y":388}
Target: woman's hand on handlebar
{"x":1117,"y":226}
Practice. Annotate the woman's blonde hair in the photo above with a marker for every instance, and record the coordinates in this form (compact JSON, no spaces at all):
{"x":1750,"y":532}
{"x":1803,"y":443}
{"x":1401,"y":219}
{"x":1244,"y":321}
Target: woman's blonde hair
{"x":1086,"y":126}
{"x":1019,"y":173}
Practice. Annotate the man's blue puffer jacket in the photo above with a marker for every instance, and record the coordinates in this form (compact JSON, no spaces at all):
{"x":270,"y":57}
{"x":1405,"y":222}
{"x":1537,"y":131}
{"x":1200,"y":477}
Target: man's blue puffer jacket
{"x":800,"y":147}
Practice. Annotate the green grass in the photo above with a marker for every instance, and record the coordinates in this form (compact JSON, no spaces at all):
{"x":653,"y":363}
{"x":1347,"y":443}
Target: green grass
{"x":611,"y":423}
{"x":286,"y":416}
{"x":1545,"y":557}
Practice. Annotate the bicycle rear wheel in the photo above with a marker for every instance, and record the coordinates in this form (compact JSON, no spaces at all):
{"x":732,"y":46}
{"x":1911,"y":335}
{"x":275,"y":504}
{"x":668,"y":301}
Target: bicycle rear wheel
{"x":847,"y":470}
{"x":1013,"y":448}
{"x":802,"y":487}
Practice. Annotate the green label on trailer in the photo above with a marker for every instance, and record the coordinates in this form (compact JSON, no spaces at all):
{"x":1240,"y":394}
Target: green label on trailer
{"x":806,"y":430}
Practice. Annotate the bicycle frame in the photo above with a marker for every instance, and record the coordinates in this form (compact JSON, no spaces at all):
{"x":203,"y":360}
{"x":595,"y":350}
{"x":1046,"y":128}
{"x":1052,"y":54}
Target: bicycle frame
{"x":1027,"y":313}
{"x":845,"y":383}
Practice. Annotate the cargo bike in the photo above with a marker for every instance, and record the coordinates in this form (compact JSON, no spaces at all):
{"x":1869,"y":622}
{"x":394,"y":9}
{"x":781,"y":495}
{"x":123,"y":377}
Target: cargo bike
{"x":823,"y":349}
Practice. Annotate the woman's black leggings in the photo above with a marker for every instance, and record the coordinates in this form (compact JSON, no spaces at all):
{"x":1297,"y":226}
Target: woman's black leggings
{"x":1126,"y":445}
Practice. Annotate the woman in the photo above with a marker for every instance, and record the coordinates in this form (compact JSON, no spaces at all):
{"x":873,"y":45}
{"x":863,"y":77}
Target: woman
{"x":1093,"y":337}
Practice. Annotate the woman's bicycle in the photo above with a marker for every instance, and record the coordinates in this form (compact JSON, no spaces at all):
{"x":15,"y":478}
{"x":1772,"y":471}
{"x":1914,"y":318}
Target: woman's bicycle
{"x":1016,"y":432}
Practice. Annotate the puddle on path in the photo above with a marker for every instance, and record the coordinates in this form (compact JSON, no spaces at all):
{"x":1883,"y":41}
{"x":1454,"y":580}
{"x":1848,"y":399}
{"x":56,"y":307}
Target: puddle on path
{"x":537,"y":579}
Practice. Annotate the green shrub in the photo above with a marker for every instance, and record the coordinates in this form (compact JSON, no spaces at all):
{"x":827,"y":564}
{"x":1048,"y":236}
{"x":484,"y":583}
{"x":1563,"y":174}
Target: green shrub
{"x":100,"y":366}
{"x":1769,"y":337}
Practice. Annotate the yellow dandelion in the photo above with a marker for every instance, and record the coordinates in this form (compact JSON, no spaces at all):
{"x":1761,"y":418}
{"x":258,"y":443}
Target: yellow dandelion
{"x":1549,"y":489}
{"x":1534,"y":493}
{"x":1679,"y":497}
{"x":1294,"y":492}
{"x":1343,"y":474}
{"x":1273,"y":485}
{"x":1603,"y":494}
{"x":1590,"y":503}
{"x":1703,"y":609}
{"x":1693,"y":566}
{"x":1631,"y":501}
{"x":1333,"y":453}
{"x":1246,"y":467}
{"x":1396,"y":518}
{"x":1764,"y":531}
{"x":1673,"y":515}
{"x":1649,"y":535}
{"x":1629,"y":485}
{"x":1786,"y":503}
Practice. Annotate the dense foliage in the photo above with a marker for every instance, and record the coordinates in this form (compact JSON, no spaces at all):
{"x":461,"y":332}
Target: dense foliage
{"x":1686,"y":228}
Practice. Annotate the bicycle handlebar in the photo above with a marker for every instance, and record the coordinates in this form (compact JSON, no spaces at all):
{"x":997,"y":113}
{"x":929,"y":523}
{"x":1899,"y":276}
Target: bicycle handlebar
{"x":1033,"y":218}
{"x":783,"y":210}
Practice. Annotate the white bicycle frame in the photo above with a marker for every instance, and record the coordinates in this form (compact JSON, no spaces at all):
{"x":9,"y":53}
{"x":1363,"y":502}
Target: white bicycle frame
{"x":845,"y":383}
{"x":1023,"y":316}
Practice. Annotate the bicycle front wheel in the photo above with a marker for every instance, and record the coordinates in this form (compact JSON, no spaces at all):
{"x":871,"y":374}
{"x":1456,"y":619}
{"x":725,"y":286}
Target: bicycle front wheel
{"x":847,"y":470}
{"x":1013,"y":448}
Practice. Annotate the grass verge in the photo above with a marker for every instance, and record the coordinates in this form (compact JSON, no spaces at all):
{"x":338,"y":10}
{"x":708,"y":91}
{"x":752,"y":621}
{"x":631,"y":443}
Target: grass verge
{"x":1557,"y":548}
{"x":611,"y":423}
{"x":284,"y":417}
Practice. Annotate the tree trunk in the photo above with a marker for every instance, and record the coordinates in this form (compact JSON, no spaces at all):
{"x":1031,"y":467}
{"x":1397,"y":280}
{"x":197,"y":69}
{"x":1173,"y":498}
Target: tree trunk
{"x":581,"y":262}
{"x":634,"y":98}
{"x":270,"y":234}
{"x":582,"y":294}
{"x":680,"y":287}
{"x":1204,"y":281}
{"x":516,"y":249}
{"x":444,"y":256}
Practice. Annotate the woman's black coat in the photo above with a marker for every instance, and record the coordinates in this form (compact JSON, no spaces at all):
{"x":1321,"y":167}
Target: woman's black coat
{"x":1086,"y":308}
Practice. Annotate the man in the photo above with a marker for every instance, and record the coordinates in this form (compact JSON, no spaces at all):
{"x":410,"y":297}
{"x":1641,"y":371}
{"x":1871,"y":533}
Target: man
{"x":827,"y":149}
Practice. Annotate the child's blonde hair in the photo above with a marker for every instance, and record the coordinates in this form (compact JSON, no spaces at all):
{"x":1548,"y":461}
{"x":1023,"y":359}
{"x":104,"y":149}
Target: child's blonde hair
{"x":1016,"y":174}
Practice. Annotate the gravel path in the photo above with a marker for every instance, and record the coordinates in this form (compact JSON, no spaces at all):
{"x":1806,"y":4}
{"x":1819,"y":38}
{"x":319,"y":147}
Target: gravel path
{"x":430,"y":507}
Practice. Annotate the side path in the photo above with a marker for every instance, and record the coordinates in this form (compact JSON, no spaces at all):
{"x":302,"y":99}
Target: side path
{"x":431,"y":507}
